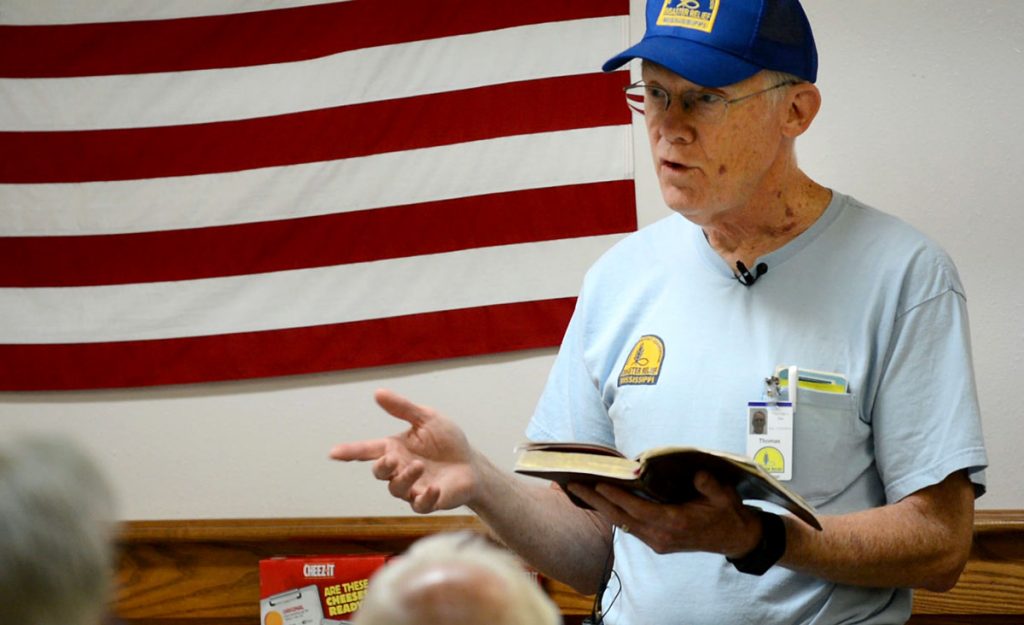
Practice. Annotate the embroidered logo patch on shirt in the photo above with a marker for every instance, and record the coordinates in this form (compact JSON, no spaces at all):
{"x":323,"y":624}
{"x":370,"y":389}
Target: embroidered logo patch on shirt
{"x":643,"y":366}
{"x":692,"y":14}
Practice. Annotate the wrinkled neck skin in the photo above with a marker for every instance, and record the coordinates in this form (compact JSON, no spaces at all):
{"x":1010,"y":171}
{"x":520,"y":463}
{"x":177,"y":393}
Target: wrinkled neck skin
{"x":785,"y":205}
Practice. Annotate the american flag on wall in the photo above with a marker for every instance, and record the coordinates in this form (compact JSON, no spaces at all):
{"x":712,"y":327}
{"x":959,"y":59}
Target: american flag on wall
{"x":267,"y":189}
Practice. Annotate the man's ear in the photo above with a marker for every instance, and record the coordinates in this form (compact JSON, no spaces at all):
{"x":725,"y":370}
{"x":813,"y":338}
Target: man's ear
{"x":803,"y":104}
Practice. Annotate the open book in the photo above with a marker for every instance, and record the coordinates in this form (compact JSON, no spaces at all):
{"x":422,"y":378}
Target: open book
{"x":663,"y":474}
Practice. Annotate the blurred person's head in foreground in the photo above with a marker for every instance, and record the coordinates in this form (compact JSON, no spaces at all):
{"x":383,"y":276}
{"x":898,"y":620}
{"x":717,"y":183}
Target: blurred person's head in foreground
{"x":56,"y":534}
{"x":456,"y":579}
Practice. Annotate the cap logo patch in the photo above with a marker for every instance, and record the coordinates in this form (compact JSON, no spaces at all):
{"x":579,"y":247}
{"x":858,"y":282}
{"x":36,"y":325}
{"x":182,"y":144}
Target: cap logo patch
{"x":693,"y":14}
{"x":643,"y":365}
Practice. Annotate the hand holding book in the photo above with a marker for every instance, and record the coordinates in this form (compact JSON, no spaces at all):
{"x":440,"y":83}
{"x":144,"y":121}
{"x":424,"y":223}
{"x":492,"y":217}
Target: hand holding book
{"x":663,"y":474}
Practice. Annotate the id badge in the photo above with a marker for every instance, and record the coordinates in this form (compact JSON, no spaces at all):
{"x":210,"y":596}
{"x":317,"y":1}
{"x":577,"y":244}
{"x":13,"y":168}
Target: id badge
{"x":770,"y":437}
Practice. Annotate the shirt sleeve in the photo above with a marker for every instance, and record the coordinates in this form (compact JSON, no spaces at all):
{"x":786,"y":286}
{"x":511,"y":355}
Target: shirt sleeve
{"x":926,"y":418}
{"x":571,"y":406}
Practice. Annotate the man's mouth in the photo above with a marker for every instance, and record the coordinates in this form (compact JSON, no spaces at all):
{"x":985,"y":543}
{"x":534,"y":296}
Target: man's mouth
{"x":674,"y":166}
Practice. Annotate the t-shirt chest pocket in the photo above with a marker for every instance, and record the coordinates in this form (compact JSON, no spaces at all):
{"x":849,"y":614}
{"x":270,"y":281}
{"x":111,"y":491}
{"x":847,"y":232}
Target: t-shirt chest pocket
{"x":831,"y":444}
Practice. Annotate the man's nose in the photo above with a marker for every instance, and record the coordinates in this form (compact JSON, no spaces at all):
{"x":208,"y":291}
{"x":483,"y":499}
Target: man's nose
{"x":676,"y":125}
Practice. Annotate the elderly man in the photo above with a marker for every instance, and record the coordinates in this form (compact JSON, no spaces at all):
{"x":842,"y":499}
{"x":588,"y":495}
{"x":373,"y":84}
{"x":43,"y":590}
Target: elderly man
{"x":759,"y":271}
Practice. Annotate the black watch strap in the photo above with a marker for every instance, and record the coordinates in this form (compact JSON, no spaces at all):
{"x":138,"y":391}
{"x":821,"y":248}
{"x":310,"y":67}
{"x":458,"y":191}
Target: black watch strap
{"x":768,"y":551}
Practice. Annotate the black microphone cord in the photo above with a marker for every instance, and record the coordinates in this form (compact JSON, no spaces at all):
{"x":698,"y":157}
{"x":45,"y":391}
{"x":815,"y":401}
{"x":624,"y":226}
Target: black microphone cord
{"x":596,"y":612}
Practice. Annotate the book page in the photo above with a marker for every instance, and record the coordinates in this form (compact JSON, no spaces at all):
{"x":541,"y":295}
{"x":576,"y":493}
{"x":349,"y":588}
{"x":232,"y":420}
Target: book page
{"x":573,"y":462}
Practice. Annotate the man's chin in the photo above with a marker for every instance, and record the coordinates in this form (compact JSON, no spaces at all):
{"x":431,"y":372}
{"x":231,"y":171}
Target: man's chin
{"x":681,"y":201}
{"x":698,"y":214}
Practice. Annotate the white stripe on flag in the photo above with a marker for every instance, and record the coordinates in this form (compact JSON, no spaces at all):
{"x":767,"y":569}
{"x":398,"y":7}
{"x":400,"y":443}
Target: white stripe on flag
{"x":415,"y":68}
{"x":438,"y":173}
{"x":289,"y":299}
{"x":27,"y":12}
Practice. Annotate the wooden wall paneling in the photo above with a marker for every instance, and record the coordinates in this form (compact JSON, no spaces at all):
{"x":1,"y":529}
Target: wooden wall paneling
{"x":201,"y":572}
{"x":205,"y":572}
{"x":993,"y":581}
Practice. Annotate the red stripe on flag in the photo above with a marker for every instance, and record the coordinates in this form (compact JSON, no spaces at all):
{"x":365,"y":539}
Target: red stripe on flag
{"x":467,"y":332}
{"x":257,"y":38}
{"x":583,"y":101}
{"x":428,"y":228}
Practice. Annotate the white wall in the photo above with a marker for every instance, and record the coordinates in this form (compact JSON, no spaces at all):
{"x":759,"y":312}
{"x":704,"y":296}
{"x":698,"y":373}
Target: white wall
{"x":920,"y":118}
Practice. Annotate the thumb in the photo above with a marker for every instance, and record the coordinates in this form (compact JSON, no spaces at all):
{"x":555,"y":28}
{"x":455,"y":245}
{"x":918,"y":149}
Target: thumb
{"x":717,"y":493}
{"x":401,"y":408}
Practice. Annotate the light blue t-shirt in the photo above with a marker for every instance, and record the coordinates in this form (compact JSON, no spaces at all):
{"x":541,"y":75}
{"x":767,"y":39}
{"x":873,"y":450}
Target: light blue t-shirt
{"x":860,"y":293}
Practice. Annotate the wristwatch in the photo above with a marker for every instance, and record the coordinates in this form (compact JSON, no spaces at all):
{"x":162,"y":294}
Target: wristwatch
{"x":768,"y":551}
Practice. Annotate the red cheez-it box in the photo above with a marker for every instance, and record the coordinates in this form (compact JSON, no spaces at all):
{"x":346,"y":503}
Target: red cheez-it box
{"x":314,"y":590}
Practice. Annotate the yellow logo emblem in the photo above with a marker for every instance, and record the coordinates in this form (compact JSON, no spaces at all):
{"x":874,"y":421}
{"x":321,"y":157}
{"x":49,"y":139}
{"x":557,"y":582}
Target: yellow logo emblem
{"x":770,"y":459}
{"x":692,"y":14}
{"x":643,"y":366}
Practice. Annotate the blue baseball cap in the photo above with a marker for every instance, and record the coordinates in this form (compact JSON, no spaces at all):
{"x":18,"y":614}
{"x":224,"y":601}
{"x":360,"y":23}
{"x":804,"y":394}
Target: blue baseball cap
{"x":715,"y":43}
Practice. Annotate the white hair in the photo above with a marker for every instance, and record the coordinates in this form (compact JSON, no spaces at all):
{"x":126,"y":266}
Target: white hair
{"x":56,"y":549}
{"x":772,"y":78}
{"x":460,"y":577}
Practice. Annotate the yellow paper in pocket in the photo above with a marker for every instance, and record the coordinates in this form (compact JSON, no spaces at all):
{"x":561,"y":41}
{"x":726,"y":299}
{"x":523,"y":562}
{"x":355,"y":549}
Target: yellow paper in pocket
{"x":809,"y":379}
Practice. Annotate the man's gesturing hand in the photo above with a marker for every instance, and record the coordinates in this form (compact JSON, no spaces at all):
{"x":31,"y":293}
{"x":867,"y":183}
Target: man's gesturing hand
{"x":430,"y":465}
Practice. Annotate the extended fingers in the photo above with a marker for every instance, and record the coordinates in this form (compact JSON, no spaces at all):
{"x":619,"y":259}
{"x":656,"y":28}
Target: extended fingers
{"x":395,"y":405}
{"x":603,"y":500}
{"x":360,"y":450}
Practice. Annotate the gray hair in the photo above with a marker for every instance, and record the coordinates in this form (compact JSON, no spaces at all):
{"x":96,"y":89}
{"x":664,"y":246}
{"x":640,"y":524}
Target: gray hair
{"x":456,"y":578}
{"x":772,"y":78}
{"x":56,"y":549}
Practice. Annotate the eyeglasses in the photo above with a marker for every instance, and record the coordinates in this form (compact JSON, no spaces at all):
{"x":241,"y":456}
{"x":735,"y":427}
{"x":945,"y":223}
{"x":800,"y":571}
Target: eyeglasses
{"x":702,"y":106}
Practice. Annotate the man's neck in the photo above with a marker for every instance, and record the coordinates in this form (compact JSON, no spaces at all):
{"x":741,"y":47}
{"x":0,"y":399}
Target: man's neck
{"x":769,"y":221}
